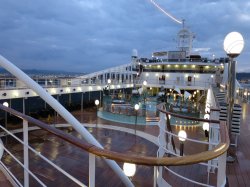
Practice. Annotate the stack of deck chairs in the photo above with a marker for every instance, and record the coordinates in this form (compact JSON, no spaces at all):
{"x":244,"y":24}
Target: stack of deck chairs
{"x":236,"y":118}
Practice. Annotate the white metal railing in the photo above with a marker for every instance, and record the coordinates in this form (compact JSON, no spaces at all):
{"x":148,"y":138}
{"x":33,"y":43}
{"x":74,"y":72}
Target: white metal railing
{"x":24,"y":92}
{"x":63,"y":112}
{"x":244,"y":93}
{"x":176,"y":154}
{"x":188,"y":139}
{"x":174,"y":83}
{"x":10,"y":83}
{"x":166,"y":147}
{"x":26,"y":157}
{"x":187,"y":179}
{"x":61,"y":83}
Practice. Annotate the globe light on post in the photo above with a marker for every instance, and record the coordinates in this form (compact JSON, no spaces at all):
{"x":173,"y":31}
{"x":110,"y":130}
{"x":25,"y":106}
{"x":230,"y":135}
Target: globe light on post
{"x":182,"y":135}
{"x":96,"y":103}
{"x":129,"y":169}
{"x":109,"y":82}
{"x":144,"y":91}
{"x":206,"y":116}
{"x":205,"y":127}
{"x":137,"y":107}
{"x":233,"y":46}
{"x":6,"y":104}
{"x":212,"y":79}
{"x":136,"y":110}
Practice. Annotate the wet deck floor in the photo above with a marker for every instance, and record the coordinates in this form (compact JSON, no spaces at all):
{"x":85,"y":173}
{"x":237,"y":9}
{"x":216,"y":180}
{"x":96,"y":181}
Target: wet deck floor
{"x":69,"y":157}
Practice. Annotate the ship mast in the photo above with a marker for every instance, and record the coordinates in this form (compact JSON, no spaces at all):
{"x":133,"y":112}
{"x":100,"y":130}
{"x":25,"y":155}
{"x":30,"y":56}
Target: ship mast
{"x":185,"y":39}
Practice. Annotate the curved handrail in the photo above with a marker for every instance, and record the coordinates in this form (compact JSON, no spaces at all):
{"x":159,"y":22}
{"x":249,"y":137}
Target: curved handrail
{"x":188,"y":139}
{"x":136,"y":159}
{"x":185,"y":117}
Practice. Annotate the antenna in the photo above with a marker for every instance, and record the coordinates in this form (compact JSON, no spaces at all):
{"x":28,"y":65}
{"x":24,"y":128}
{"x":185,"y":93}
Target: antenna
{"x":183,"y":23}
{"x":166,"y":13}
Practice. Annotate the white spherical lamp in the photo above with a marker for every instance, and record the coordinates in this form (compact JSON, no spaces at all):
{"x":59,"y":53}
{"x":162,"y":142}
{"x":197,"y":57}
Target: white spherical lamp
{"x":137,"y":107}
{"x":145,"y":83}
{"x":97,"y":102}
{"x":129,"y":169}
{"x":233,"y":44}
{"x":205,"y":126}
{"x":109,"y":81}
{"x":6,"y":104}
{"x":182,"y":135}
{"x":206,"y":116}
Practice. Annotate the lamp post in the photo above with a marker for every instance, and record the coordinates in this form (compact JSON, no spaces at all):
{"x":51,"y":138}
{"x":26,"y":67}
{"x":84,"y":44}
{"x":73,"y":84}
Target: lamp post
{"x":205,"y":127}
{"x":96,"y":103}
{"x":144,"y":91}
{"x":212,"y":79}
{"x":136,"y":110}
{"x":233,"y":45}
{"x":182,"y":135}
{"x":129,"y":169}
{"x":109,"y":82}
{"x":6,"y":104}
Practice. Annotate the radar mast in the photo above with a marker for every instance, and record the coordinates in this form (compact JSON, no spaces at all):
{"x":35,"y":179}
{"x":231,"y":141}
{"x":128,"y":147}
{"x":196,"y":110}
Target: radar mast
{"x":185,"y":39}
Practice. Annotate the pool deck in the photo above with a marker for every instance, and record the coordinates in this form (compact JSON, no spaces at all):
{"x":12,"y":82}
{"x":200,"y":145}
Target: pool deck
{"x":68,"y":157}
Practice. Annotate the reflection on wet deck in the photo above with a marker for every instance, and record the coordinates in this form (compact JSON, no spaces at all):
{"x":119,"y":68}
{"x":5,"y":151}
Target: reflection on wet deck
{"x":69,"y":157}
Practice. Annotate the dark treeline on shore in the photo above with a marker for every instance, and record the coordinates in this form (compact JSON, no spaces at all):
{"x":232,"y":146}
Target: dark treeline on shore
{"x":243,"y":76}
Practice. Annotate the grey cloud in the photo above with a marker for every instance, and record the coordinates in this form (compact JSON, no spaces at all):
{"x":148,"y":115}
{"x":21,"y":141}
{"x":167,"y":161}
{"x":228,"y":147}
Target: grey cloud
{"x":88,"y":35}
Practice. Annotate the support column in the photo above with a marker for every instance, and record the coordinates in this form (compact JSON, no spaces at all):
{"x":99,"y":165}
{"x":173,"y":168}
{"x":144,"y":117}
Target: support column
{"x":91,"y":170}
{"x":81,"y":107}
{"x":70,"y":98}
{"x":25,"y":148}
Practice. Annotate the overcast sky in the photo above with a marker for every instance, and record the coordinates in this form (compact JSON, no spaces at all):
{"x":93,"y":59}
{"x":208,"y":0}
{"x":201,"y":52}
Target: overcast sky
{"x":90,"y":35}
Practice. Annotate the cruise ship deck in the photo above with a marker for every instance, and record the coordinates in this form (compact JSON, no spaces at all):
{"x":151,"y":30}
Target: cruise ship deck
{"x":163,"y":121}
{"x":73,"y":160}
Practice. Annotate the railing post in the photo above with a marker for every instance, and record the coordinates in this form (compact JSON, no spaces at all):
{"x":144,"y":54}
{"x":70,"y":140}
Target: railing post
{"x":221,"y":175}
{"x":155,"y":176}
{"x":91,"y":170}
{"x":162,"y":145}
{"x":25,"y":148}
{"x":25,"y":153}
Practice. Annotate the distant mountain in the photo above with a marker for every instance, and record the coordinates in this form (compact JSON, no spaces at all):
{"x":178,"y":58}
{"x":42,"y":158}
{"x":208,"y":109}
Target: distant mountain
{"x":44,"y":72}
{"x":243,"y":76}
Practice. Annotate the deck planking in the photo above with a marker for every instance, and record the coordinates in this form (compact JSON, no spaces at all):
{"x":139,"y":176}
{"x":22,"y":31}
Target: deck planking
{"x":68,"y":157}
{"x":238,"y":173}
